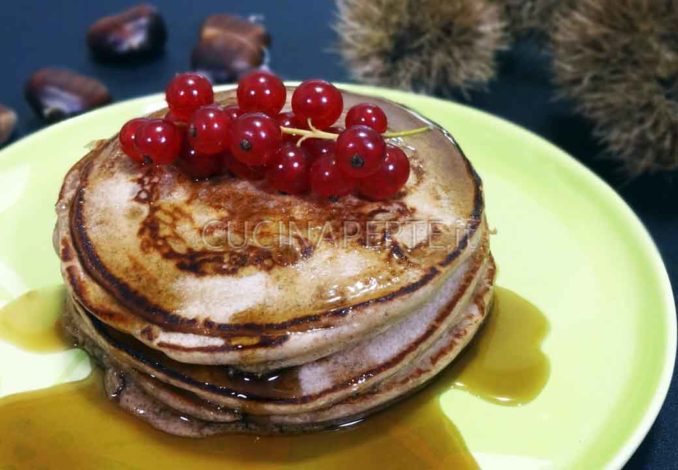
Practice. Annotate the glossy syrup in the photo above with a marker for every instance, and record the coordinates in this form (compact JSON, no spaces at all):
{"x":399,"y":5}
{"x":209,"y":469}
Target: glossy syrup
{"x":31,"y":322}
{"x":74,"y":425}
{"x":506,"y":365}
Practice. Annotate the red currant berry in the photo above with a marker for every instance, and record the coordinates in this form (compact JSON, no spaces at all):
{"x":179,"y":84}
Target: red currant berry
{"x":389,"y":179}
{"x":319,"y":101}
{"x":127,"y":141}
{"x":209,"y":129}
{"x":360,"y":151}
{"x":233,"y":111}
{"x":187,"y":92}
{"x":261,"y":91}
{"x":288,"y":171}
{"x":317,"y":148}
{"x":255,"y":137}
{"x":159,"y":141}
{"x":288,"y":119}
{"x":239,"y":169}
{"x":368,"y":115}
{"x":327,"y":180}
{"x":198,"y":166}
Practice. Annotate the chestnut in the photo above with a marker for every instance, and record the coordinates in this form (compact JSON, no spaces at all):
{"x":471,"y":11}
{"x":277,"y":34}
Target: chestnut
{"x":237,"y":27}
{"x":7,"y":123}
{"x":224,"y":60}
{"x":58,"y":93}
{"x":136,"y":33}
{"x":228,"y":47}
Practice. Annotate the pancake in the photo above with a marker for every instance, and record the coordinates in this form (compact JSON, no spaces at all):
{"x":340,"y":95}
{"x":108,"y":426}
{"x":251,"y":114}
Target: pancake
{"x":309,"y":386}
{"x":222,"y":306}
{"x":143,"y":250}
{"x":179,"y":412}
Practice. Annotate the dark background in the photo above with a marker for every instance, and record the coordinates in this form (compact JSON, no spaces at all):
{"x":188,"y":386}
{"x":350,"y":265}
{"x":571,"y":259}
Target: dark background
{"x":37,"y":33}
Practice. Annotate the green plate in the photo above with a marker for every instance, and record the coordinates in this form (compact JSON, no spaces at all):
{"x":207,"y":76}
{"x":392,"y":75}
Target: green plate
{"x":565,"y":241}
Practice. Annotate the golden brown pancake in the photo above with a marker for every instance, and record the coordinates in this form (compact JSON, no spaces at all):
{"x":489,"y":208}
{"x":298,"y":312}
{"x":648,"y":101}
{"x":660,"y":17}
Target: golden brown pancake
{"x":222,"y":306}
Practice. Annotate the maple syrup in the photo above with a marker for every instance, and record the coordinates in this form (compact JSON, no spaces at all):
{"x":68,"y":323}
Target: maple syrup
{"x":505,"y":363}
{"x":31,"y":322}
{"x":74,"y":425}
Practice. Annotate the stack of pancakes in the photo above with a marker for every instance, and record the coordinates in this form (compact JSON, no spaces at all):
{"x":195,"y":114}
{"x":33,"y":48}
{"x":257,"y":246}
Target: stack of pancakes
{"x":222,"y":306}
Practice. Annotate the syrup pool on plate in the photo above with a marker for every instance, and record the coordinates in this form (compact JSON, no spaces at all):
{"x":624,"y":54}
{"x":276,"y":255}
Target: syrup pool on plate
{"x":31,"y":322}
{"x":505,"y":365}
{"x":75,"y":425}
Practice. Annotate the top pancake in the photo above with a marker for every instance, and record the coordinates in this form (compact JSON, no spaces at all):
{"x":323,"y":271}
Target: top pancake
{"x":230,"y":258}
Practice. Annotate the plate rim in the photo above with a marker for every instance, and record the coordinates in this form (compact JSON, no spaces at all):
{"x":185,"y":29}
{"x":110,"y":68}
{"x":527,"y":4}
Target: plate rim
{"x":653,"y":408}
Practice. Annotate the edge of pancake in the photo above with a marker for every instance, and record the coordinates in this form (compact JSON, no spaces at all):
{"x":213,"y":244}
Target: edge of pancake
{"x":473,"y":282}
{"x":174,"y":420}
{"x":166,"y":415}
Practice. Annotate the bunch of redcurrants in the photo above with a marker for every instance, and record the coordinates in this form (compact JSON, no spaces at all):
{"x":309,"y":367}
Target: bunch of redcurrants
{"x":296,"y":152}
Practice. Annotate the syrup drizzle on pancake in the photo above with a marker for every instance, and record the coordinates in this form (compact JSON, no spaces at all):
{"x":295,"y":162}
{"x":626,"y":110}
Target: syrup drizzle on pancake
{"x":258,"y":228}
{"x":73,"y":424}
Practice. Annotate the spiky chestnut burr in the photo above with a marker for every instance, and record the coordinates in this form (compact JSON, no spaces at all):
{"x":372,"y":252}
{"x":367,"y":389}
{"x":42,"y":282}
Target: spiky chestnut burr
{"x":424,"y":45}
{"x":618,"y":61}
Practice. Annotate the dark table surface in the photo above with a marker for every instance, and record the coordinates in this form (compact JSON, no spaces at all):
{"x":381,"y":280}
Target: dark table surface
{"x":37,"y":33}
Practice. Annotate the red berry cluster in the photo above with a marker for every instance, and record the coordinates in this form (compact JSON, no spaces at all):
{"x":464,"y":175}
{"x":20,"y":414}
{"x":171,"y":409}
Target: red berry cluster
{"x":295,"y":151}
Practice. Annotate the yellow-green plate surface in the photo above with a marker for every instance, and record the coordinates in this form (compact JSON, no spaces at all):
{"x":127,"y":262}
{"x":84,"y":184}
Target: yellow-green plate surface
{"x":565,"y":241}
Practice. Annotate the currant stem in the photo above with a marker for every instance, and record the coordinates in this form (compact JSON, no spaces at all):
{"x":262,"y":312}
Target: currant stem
{"x":308,"y":133}
{"x":418,"y":130}
{"x":318,"y":134}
